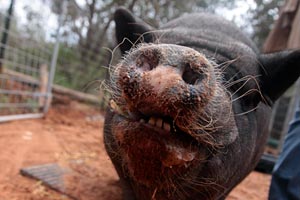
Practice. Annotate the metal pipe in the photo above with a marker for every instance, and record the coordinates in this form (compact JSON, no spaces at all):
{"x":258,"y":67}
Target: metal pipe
{"x":22,"y":93}
{"x":19,"y":117}
{"x":54,"y":61}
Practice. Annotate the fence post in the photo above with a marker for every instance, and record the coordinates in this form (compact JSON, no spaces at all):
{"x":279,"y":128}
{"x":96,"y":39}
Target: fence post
{"x":5,"y":33}
{"x":44,"y":75}
{"x":54,"y":60}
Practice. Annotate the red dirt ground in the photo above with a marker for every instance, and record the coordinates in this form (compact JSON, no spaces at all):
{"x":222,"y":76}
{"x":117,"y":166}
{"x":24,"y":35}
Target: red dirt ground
{"x":71,"y":135}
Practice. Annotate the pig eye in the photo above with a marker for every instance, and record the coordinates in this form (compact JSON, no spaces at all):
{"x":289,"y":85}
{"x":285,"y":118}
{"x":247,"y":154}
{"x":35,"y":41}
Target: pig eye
{"x":190,"y":76}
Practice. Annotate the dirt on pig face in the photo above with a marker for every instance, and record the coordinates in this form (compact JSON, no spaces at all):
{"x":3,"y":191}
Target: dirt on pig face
{"x":170,"y":115}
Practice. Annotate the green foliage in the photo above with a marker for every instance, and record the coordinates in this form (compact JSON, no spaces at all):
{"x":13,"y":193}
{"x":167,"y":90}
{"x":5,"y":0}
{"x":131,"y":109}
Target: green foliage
{"x":73,"y":73}
{"x":262,"y":18}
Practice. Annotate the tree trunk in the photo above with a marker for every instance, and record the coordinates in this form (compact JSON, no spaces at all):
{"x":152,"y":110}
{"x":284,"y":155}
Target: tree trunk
{"x":286,"y":31}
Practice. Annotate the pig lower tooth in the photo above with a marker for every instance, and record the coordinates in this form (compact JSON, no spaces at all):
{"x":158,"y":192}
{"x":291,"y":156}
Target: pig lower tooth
{"x":113,"y":104}
{"x":167,"y":127}
{"x":115,"y":107}
{"x":152,"y":121}
{"x":159,"y":123}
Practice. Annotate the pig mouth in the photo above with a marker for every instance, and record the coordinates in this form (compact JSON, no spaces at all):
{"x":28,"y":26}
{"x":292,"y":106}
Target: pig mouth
{"x":155,"y":150}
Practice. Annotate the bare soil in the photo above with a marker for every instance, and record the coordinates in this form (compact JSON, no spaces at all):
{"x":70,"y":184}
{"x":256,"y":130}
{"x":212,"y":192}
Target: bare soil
{"x":71,"y":135}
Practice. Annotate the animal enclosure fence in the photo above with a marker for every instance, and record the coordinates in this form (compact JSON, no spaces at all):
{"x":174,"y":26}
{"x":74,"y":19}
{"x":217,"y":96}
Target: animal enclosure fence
{"x":25,"y":61}
{"x":32,"y":61}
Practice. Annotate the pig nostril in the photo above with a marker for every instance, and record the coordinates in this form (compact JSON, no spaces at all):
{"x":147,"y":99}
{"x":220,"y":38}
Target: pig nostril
{"x":146,"y":63}
{"x":190,"y":76}
{"x":145,"y":66}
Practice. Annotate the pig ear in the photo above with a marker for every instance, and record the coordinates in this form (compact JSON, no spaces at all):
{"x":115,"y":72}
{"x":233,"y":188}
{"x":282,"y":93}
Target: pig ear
{"x":280,"y":71}
{"x":130,"y":30}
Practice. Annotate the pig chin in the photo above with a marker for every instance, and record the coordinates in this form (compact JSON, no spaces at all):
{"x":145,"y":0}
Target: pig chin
{"x":152,"y":156}
{"x":167,"y":124}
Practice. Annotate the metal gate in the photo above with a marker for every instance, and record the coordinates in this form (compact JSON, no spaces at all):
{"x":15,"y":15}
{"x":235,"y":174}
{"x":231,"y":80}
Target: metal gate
{"x":27,"y":65}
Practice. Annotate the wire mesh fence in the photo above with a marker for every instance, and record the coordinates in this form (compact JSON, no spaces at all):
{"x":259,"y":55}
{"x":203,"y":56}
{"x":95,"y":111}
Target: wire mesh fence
{"x":24,"y":67}
{"x":30,"y":52}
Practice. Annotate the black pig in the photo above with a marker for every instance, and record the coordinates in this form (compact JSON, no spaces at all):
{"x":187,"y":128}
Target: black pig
{"x":190,"y":106}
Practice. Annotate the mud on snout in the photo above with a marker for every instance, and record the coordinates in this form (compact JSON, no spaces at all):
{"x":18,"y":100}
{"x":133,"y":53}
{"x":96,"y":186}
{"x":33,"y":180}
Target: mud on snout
{"x":171,"y":110}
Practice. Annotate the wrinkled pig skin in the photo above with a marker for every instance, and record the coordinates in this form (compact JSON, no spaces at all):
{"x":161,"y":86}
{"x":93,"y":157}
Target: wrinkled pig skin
{"x":190,"y":106}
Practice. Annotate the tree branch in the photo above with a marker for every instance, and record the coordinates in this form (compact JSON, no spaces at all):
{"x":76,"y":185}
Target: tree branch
{"x":76,"y":5}
{"x":130,"y":7}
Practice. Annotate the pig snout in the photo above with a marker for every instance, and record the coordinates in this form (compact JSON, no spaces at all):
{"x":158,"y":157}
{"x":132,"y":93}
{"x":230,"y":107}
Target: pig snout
{"x":173,"y":84}
{"x":165,"y":79}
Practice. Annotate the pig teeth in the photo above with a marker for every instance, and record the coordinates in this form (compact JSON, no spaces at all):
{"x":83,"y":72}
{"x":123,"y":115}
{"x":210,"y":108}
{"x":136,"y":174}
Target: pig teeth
{"x":159,"y":123}
{"x":152,"y":121}
{"x":115,"y":107}
{"x":113,"y":104}
{"x":167,"y":127}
